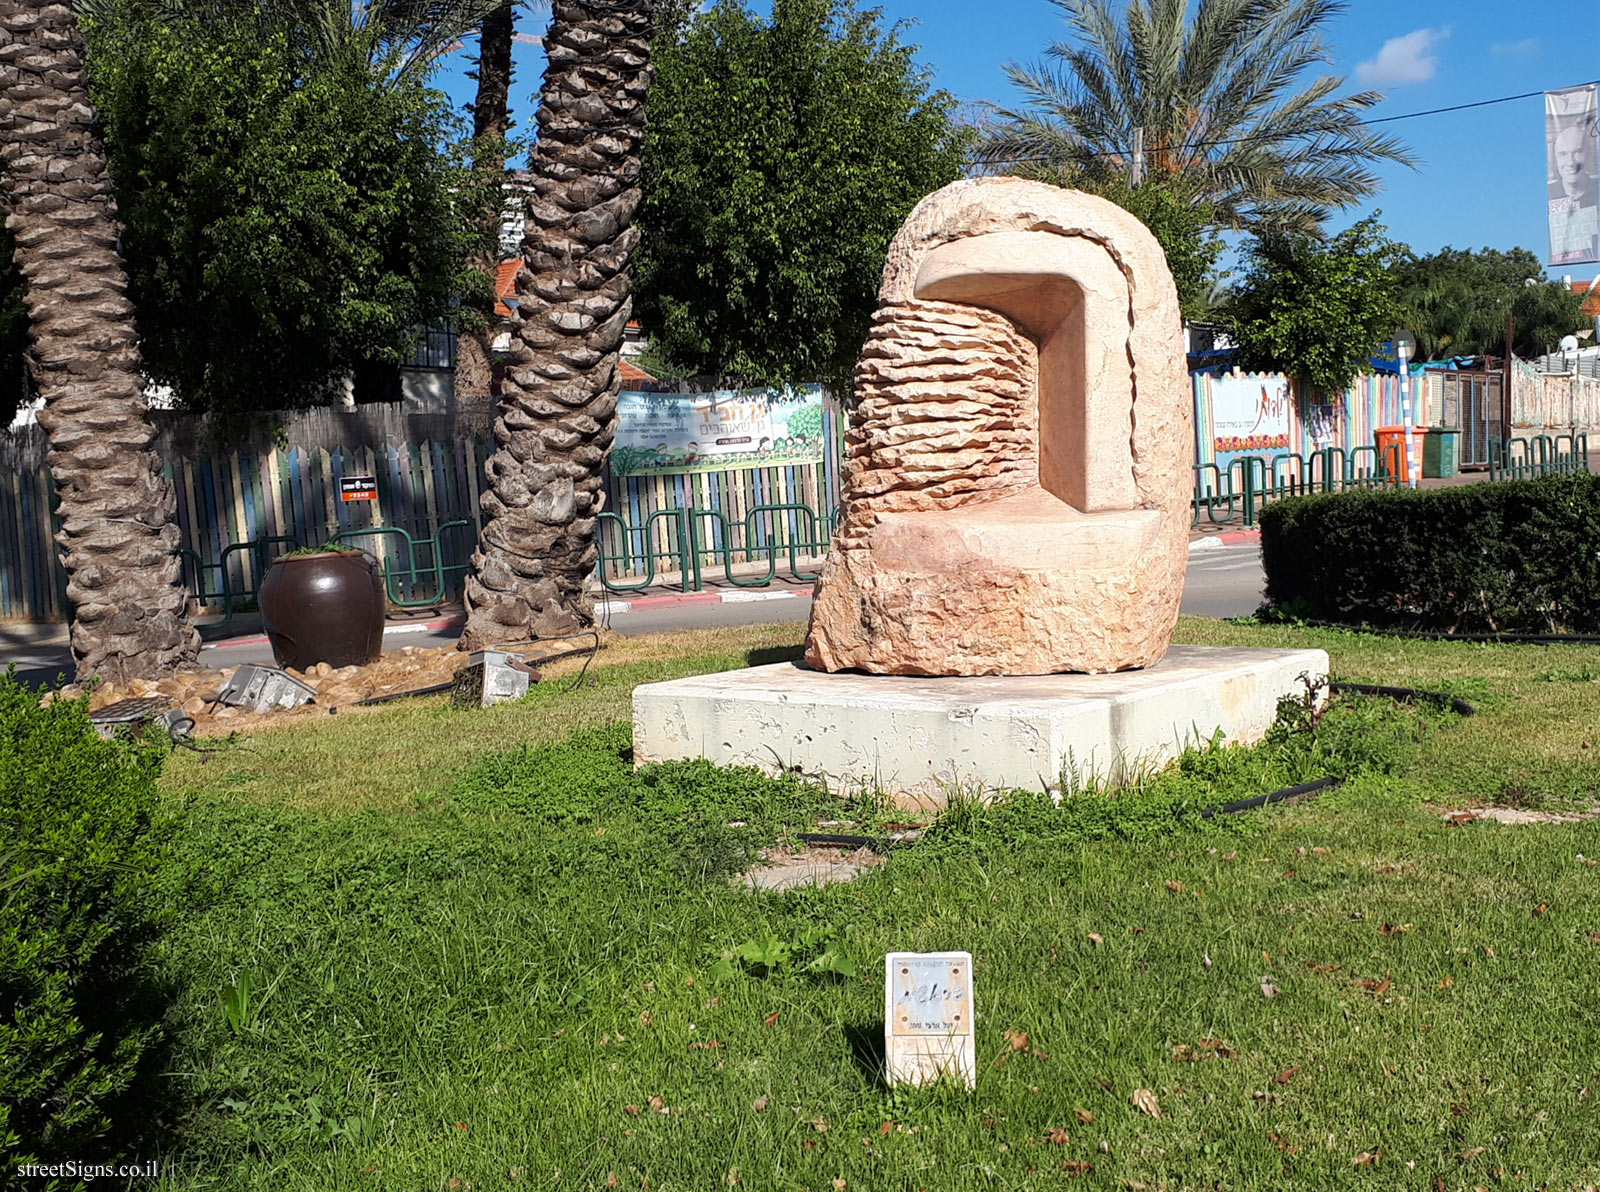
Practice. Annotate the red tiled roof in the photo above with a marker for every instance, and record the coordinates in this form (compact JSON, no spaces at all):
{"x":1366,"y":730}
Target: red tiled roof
{"x":631,"y":373}
{"x":1591,"y":303}
{"x":505,"y":284}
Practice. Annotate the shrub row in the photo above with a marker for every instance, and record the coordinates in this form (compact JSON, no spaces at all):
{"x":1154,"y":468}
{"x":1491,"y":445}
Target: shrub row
{"x":1515,"y":556}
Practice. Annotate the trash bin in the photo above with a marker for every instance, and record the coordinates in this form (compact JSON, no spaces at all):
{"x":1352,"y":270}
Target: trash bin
{"x":1441,"y":453}
{"x":1392,"y":450}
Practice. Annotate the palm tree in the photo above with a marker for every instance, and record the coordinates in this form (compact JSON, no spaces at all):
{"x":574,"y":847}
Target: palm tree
{"x":491,"y":122}
{"x":1212,"y":99}
{"x":118,"y":529}
{"x":556,"y":415}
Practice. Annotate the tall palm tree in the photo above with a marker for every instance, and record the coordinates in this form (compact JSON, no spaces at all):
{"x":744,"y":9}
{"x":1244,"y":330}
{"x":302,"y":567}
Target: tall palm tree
{"x":118,"y":528}
{"x":556,"y":415}
{"x":1214,"y":100}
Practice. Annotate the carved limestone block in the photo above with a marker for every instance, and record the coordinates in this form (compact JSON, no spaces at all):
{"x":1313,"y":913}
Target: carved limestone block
{"x":1016,"y":480}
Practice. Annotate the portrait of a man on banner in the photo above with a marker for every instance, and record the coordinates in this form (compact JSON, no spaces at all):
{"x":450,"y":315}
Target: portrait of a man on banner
{"x":1572,"y":149}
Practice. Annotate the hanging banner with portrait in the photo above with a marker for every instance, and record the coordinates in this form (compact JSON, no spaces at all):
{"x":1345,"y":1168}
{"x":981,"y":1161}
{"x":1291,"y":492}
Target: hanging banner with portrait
{"x":1572,"y":173}
{"x":673,"y":433}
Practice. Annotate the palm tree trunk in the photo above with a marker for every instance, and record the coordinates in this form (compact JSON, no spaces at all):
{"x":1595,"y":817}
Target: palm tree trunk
{"x":118,"y":532}
{"x":491,"y":119}
{"x":555,"y":420}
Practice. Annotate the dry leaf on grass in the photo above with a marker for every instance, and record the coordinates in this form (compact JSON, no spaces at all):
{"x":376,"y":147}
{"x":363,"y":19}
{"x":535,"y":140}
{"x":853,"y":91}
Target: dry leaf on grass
{"x":631,"y":1110}
{"x":1145,"y":1102}
{"x":1368,"y":1158}
{"x":1540,"y":909}
{"x":1018,"y":1040}
{"x":820,"y":1125}
{"x":1268,"y":989}
{"x":772,"y":1019}
{"x":1077,"y":1167}
{"x":1287,"y":1074}
{"x":1393,"y":929}
{"x":760,"y":1103}
{"x":1057,"y":1137}
{"x":1175,"y":887}
{"x":1096,"y":938}
{"x":657,"y":1105}
{"x":1083,"y":1115}
{"x":1282,"y":1143}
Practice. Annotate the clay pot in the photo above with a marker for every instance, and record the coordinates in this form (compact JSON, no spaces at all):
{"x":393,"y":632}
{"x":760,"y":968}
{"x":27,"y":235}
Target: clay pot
{"x":326,"y":607}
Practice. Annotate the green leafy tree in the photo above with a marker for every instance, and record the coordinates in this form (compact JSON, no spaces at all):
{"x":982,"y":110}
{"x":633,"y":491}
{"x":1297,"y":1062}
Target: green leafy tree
{"x":1316,"y":309}
{"x":285,"y":223}
{"x":1220,"y":97}
{"x":1457,"y":301}
{"x":781,"y":157}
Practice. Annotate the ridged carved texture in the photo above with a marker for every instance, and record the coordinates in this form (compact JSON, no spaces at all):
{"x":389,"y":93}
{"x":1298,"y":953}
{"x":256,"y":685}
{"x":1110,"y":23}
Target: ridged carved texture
{"x":554,"y":424}
{"x":118,"y":534}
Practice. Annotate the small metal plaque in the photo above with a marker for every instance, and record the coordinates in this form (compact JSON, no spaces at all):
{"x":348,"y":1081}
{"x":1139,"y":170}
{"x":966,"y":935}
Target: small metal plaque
{"x":928,"y":1017}
{"x":358,"y":488}
{"x":931,"y":994}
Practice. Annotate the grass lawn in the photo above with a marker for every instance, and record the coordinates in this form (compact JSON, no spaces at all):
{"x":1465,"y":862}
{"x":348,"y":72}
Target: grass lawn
{"x":425,"y":948}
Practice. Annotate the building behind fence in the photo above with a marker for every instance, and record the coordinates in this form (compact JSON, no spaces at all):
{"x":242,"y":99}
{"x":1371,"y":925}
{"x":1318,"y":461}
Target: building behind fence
{"x":274,"y":484}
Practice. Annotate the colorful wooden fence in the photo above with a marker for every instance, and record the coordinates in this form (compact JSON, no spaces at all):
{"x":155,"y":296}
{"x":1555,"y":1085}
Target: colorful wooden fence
{"x":239,"y":508}
{"x":1349,"y":422}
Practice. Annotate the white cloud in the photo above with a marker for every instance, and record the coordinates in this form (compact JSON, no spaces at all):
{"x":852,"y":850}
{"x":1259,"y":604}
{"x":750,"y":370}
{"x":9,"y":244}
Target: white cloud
{"x":1517,"y":49}
{"x":1407,"y":59}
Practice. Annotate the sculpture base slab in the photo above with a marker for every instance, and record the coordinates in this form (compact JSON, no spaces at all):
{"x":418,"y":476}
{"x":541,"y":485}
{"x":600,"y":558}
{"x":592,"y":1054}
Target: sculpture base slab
{"x":921,"y":738}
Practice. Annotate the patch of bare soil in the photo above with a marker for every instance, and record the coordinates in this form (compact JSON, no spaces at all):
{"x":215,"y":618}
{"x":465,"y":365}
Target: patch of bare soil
{"x":1517,"y":815}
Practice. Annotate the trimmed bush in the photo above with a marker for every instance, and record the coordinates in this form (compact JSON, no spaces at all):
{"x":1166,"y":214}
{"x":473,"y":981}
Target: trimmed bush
{"x":79,"y":910}
{"x":1514,"y":556}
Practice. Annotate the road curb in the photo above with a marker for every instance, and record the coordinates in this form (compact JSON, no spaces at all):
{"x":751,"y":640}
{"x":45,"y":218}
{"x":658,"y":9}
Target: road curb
{"x":1218,"y":541}
{"x":744,"y":596}
{"x":229,"y":643}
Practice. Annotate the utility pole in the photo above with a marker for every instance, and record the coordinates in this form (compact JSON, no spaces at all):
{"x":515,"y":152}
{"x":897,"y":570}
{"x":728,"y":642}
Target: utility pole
{"x":1136,"y":167}
{"x":1505,"y":382}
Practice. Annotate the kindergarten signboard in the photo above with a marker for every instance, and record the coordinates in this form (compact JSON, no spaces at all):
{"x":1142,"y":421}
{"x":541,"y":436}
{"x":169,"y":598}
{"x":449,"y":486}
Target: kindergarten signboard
{"x":1249,"y":416}
{"x":674,"y":433}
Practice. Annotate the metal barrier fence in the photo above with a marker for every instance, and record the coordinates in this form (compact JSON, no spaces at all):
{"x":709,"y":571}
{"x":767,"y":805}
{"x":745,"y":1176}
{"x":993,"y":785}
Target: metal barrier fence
{"x":1542,"y":455}
{"x":694,"y":537}
{"x":417,"y":576}
{"x":408,"y":584}
{"x":1248,"y":482}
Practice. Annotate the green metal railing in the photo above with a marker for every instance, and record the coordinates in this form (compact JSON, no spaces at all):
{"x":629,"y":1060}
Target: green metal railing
{"x":401,"y":582}
{"x":692,"y":539}
{"x":1249,"y":482}
{"x":1542,"y":455}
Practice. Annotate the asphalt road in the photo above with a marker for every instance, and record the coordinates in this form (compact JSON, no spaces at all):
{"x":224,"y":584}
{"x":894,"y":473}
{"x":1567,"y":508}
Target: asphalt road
{"x":1222,"y":582}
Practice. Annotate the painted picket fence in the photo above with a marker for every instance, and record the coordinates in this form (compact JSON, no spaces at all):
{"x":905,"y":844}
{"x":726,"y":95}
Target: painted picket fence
{"x":239,"y":508}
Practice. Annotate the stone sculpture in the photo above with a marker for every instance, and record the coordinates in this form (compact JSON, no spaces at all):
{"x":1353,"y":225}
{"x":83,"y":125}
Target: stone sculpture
{"x":1016,"y":487}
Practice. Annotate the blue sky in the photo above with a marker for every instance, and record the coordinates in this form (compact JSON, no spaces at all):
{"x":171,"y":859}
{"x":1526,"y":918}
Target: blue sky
{"x":1481,"y":179}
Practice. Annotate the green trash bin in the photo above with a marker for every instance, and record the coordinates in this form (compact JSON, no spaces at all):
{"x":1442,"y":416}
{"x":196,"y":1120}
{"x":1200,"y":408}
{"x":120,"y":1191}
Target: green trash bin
{"x":1441,"y":452}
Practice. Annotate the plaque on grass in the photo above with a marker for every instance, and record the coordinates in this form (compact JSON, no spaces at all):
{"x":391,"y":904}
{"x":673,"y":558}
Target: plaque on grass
{"x":928,"y":1018}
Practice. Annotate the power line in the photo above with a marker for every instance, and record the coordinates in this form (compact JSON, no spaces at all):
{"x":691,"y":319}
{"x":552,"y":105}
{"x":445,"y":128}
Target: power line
{"x":1276,"y":136}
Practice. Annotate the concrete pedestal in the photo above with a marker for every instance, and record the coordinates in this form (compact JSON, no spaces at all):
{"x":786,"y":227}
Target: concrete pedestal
{"x":920,"y":738}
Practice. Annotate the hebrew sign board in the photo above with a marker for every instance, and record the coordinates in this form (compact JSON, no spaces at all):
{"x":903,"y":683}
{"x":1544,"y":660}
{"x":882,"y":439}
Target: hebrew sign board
{"x":928,"y":1018}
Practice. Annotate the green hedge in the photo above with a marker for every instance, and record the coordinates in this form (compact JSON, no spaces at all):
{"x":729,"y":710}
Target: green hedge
{"x":79,"y":911}
{"x":1513,"y":556}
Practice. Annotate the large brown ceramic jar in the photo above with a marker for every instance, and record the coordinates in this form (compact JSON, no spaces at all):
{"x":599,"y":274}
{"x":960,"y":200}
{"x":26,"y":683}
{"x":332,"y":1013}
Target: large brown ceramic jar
{"x":325,"y":607}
